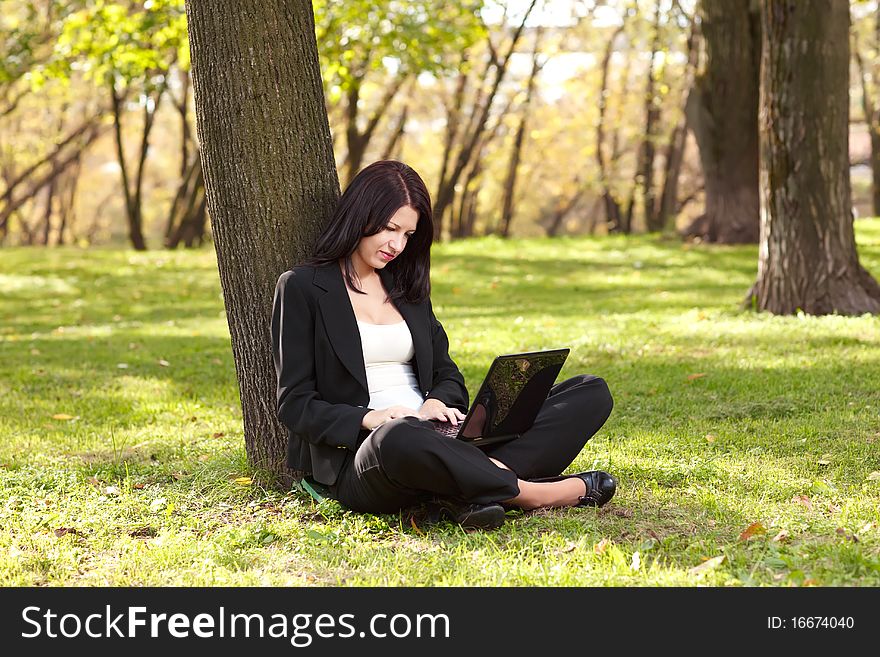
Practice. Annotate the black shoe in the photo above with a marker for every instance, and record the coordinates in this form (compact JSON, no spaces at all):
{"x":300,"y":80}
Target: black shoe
{"x":601,"y":486}
{"x":476,"y":516}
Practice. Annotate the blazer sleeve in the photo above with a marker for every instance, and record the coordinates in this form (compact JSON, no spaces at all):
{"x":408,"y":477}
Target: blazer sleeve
{"x":447,"y":383}
{"x":300,"y":407}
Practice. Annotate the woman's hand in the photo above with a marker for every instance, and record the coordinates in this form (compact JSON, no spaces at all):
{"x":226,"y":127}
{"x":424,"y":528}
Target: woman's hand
{"x":380,"y":416}
{"x":434,"y":409}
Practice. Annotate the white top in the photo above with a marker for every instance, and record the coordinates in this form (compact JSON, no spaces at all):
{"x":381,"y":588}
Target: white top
{"x":388,"y":348}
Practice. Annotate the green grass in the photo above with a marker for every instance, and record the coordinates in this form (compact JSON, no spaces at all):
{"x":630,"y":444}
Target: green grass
{"x":723,"y":418}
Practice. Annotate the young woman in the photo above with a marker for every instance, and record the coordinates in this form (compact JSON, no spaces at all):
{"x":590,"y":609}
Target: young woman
{"x":363,"y":367}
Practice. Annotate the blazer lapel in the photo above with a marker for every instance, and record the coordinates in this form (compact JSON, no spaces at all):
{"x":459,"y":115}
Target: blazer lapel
{"x":414,"y":315}
{"x":340,"y":322}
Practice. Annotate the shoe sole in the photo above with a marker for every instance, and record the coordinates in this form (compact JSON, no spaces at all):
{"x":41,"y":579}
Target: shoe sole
{"x":488,"y":518}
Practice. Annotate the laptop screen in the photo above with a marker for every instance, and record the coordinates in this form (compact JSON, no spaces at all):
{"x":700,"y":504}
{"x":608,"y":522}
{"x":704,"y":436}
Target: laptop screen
{"x":512,"y":394}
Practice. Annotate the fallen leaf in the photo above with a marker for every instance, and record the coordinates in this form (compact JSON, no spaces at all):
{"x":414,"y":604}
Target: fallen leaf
{"x":710,"y":438}
{"x":133,"y":345}
{"x":868,"y":527}
{"x":810,"y":582}
{"x":601,"y":546}
{"x":122,"y":366}
{"x":752,"y":530}
{"x":138,"y":486}
{"x":698,"y":375}
{"x":216,"y":361}
{"x":412,"y":521}
{"x":803,"y":500}
{"x":143,"y":532}
{"x":178,"y":475}
{"x":64,"y":416}
{"x":35,"y":352}
{"x":112,"y":490}
{"x":94,"y":482}
{"x":61,"y":531}
{"x":163,"y":363}
{"x":820,"y":487}
{"x":850,"y":537}
{"x":781,"y":537}
{"x":707,"y":565}
{"x":243,"y":481}
{"x":219,"y":434}
{"x":204,"y":457}
{"x":158,"y":504}
{"x":874,"y":476}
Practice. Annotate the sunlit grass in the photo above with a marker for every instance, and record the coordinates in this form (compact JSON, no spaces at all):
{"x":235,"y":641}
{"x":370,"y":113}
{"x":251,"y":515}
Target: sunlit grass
{"x":122,"y":452}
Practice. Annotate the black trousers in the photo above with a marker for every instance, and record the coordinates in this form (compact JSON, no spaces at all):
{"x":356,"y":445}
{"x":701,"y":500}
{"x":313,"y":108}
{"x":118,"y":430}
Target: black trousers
{"x":405,"y":462}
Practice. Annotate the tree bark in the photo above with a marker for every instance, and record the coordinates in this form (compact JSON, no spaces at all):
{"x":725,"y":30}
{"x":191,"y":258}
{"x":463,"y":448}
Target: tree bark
{"x":723,"y":113}
{"x":807,"y":256}
{"x":270,"y":178}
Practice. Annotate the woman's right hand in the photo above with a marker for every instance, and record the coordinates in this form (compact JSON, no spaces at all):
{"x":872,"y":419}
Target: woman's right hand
{"x":380,"y":416}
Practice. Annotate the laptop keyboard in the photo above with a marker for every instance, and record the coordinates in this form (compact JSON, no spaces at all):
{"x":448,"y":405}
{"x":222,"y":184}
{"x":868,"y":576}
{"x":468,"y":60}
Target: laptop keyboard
{"x":447,"y":428}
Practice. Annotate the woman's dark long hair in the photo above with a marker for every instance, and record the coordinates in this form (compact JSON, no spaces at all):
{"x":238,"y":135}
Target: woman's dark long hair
{"x":365,"y":208}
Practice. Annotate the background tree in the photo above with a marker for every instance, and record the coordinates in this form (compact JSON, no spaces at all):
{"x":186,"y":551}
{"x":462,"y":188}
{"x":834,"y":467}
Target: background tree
{"x":386,"y":43}
{"x":808,"y":259}
{"x":723,"y":112}
{"x":130,"y":50}
{"x":269,"y":174}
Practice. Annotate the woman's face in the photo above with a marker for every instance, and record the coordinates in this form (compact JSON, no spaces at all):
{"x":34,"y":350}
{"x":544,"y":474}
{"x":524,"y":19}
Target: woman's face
{"x":380,"y":249}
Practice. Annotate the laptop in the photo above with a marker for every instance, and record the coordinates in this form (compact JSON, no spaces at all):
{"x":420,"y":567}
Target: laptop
{"x":509,"y":398}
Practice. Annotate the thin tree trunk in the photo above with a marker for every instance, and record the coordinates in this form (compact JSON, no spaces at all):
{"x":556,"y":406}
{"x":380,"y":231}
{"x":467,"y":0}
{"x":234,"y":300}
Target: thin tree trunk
{"x":516,"y":151}
{"x":132,"y":212}
{"x":58,"y":166}
{"x":872,"y":121}
{"x":807,"y":256}
{"x":477,"y":126}
{"x":677,"y":141}
{"x":648,"y":148}
{"x":270,"y":178}
{"x":358,"y":141}
{"x":47,"y":214}
{"x":393,"y":145}
{"x":612,"y":208}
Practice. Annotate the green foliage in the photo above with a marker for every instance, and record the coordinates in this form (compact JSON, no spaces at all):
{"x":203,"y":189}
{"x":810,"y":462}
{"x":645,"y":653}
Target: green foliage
{"x":115,"y":42}
{"x":122,"y":458}
{"x":356,"y":37}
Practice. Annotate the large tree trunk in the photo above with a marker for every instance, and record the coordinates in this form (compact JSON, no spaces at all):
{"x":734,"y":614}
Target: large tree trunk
{"x":723,"y":113}
{"x":270,"y":178}
{"x":807,"y":257}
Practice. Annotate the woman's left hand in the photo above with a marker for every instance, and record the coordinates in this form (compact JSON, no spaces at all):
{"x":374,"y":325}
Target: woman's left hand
{"x":434,"y":409}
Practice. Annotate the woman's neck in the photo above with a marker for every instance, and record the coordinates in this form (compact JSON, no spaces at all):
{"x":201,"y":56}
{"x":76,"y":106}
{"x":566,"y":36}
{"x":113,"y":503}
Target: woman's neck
{"x":362,"y":271}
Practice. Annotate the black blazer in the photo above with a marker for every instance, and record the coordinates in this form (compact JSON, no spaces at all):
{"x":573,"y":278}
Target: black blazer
{"x":319,"y":362}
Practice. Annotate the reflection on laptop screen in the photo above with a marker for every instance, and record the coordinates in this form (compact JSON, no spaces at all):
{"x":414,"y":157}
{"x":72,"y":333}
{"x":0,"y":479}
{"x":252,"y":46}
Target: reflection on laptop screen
{"x":513,"y":393}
